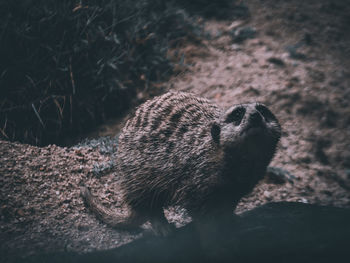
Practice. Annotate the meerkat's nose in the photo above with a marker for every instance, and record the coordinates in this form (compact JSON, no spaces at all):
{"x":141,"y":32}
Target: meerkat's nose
{"x":255,"y":119}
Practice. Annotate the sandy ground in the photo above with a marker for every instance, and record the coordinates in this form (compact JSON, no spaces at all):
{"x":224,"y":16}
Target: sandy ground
{"x":296,"y":62}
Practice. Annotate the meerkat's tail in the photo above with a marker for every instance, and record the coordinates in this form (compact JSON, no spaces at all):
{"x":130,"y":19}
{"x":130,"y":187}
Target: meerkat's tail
{"x":116,"y":220}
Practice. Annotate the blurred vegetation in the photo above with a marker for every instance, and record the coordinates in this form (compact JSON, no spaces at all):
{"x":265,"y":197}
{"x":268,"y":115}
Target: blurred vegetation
{"x":67,"y":65}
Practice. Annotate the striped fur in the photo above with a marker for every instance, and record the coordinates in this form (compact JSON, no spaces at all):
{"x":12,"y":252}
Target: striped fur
{"x":167,"y":155}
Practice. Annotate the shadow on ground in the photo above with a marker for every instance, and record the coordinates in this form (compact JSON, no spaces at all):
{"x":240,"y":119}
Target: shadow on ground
{"x":276,"y":232}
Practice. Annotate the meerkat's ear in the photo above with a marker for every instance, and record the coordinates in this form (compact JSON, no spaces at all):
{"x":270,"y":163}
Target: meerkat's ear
{"x":215,"y":132}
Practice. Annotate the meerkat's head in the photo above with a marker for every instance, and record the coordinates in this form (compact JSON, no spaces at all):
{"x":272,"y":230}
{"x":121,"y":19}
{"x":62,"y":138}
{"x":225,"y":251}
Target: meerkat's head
{"x":248,"y":129}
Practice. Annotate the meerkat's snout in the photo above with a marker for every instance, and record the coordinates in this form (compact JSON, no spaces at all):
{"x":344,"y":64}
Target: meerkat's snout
{"x":255,"y":119}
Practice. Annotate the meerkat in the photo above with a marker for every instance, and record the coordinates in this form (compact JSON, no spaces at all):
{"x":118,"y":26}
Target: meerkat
{"x":181,"y":150}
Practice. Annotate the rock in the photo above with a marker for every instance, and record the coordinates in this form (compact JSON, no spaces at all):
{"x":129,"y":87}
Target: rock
{"x":321,"y":144}
{"x":277,"y":61}
{"x":294,"y":53}
{"x":267,"y":195}
{"x":277,"y":175}
{"x":241,"y":34}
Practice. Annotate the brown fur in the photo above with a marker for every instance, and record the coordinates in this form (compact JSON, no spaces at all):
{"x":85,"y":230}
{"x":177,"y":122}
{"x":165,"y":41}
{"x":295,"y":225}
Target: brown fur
{"x":183,"y":150}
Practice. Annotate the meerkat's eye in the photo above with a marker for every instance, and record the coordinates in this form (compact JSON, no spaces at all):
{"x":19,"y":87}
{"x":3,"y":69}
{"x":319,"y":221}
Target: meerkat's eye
{"x":236,"y":116}
{"x":265,"y":112}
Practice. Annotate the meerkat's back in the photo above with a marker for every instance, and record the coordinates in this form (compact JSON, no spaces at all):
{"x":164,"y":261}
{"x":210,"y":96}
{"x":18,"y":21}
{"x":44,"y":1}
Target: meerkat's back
{"x":163,"y":145}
